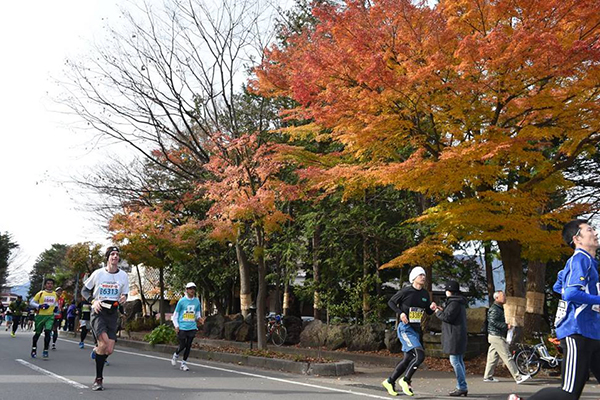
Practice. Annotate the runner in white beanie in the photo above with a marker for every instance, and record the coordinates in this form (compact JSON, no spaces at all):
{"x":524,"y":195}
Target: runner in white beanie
{"x":416,"y":271}
{"x":411,"y":303}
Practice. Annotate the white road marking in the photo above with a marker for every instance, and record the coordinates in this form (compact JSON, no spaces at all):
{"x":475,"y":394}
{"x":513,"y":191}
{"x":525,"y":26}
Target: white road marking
{"x":51,"y":374}
{"x":253,"y":375}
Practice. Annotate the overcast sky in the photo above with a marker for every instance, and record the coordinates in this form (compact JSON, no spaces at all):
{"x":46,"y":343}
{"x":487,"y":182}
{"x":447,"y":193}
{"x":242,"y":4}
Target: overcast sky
{"x":40,"y":147}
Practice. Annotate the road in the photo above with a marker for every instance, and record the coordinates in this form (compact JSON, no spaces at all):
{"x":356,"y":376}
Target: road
{"x":69,"y":372}
{"x":132,"y":374}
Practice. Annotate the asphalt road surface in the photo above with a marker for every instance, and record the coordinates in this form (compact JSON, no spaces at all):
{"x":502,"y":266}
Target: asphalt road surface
{"x":69,"y":373}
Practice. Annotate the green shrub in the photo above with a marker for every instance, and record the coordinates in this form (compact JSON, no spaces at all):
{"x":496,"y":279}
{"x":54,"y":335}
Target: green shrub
{"x":142,"y":324}
{"x":162,"y":334}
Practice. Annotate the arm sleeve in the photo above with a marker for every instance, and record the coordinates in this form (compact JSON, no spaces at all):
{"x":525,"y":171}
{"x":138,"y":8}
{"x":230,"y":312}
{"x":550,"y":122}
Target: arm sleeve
{"x":428,"y":309}
{"x":558,"y":285}
{"x":576,"y":295}
{"x":35,"y":301}
{"x":87,"y":293}
{"x":450,"y":313}
{"x":199,"y":312}
{"x":393,"y":303}
{"x":175,"y":316}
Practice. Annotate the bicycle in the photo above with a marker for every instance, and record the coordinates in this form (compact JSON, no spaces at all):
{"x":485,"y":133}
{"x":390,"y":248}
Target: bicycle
{"x":276,"y":332}
{"x":530,"y":359}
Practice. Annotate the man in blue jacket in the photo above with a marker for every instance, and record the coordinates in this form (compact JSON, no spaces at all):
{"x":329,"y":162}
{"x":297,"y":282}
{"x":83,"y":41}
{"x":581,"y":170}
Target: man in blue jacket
{"x":578,"y":315}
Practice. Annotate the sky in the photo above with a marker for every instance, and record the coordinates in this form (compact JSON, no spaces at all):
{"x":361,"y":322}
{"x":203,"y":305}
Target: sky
{"x":40,"y":148}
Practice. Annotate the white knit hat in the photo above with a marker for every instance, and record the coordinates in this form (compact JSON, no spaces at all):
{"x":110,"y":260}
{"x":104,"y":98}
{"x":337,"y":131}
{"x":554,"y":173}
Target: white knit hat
{"x":416,"y":271}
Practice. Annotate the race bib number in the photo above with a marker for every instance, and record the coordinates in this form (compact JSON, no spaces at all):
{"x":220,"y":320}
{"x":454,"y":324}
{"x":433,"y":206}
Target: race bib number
{"x":108,"y":291}
{"x":561,"y":312}
{"x":49,"y":300}
{"x":189,"y":314}
{"x":415,"y":314}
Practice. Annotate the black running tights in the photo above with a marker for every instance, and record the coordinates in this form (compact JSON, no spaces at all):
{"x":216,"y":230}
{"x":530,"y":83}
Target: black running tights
{"x":185,"y":342}
{"x":409,"y":364}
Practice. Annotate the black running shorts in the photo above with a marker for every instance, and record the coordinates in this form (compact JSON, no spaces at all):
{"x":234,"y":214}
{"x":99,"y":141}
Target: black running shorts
{"x":105,"y":321}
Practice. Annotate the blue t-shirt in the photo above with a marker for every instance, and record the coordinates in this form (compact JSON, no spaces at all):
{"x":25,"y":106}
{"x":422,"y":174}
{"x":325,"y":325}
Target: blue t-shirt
{"x":187,"y":312}
{"x":579,"y":277}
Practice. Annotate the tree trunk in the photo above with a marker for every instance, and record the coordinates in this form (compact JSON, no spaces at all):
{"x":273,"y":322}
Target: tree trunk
{"x":316,"y":261}
{"x":514,"y":309}
{"x":278,"y":307}
{"x":161,"y":283}
{"x":534,"y":313}
{"x":286,"y":299}
{"x":366,"y":300}
{"x":145,"y":310}
{"x":261,"y":310}
{"x":378,"y":288}
{"x":489,"y":271}
{"x":245,"y":289}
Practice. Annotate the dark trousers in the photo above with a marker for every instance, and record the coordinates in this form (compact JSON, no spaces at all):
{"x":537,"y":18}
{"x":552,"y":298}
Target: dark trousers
{"x":16,"y":323}
{"x":580,"y":354}
{"x":185,"y":342}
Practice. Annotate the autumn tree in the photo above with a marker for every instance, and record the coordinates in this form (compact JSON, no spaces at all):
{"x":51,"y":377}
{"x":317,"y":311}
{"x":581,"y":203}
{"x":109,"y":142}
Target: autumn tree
{"x":167,"y":85}
{"x":81,"y":259}
{"x":154,"y":237}
{"x":479,"y":106}
{"x":46,"y":266}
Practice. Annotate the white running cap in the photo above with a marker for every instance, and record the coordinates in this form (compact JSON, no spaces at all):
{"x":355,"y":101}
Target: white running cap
{"x":190,"y":285}
{"x":416,"y":271}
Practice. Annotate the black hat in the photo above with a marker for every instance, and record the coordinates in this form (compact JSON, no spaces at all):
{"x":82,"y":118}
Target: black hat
{"x":452,"y":286}
{"x":110,"y":250}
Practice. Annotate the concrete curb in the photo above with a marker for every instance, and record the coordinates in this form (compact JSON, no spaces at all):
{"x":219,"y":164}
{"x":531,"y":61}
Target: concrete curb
{"x":339,"y":368}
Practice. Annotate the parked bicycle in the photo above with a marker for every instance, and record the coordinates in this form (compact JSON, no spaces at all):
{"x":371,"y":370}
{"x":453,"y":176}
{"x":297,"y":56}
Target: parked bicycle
{"x":530,"y":359}
{"x":276,"y":332}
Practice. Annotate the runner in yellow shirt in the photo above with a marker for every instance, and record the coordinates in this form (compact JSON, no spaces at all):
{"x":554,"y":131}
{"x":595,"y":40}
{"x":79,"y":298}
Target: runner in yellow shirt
{"x":44,"y":301}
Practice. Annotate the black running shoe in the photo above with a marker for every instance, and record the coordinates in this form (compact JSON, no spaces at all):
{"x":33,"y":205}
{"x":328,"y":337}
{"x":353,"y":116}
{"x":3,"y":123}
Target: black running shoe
{"x":33,"y":352}
{"x":98,"y":384}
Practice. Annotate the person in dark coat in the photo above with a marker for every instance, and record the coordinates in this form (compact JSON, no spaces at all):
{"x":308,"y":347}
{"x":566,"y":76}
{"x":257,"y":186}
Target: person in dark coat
{"x":454,"y":333}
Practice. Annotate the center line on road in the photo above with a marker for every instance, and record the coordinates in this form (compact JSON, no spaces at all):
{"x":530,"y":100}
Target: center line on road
{"x":51,"y":374}
{"x":254,"y":375}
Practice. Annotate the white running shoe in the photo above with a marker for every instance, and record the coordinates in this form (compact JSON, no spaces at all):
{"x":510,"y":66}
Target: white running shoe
{"x":184,"y":366}
{"x":492,"y":379}
{"x":513,"y":397}
{"x":174,"y":359}
{"x":523,"y":378}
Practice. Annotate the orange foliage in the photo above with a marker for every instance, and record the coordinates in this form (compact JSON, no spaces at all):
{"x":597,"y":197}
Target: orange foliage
{"x":480,"y":105}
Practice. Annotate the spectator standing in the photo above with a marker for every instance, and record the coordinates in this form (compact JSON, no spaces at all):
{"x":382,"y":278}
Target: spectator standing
{"x":497,"y":330}
{"x":454,"y":334}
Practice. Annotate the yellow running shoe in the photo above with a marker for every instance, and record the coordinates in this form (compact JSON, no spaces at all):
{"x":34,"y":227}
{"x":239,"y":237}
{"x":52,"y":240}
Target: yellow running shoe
{"x":389,"y":387}
{"x":406,"y":388}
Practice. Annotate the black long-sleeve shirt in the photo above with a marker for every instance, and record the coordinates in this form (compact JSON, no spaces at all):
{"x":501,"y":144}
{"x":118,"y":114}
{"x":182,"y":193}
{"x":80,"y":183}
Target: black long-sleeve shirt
{"x":412,"y":302}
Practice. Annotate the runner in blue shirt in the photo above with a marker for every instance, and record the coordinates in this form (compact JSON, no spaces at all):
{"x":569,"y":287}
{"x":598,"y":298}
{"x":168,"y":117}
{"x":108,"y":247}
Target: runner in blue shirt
{"x":578,"y":316}
{"x":187,"y":312}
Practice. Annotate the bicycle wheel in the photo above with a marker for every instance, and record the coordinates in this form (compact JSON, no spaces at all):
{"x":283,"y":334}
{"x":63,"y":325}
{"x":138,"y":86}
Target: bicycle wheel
{"x":279,"y":335}
{"x":528,"y":362}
